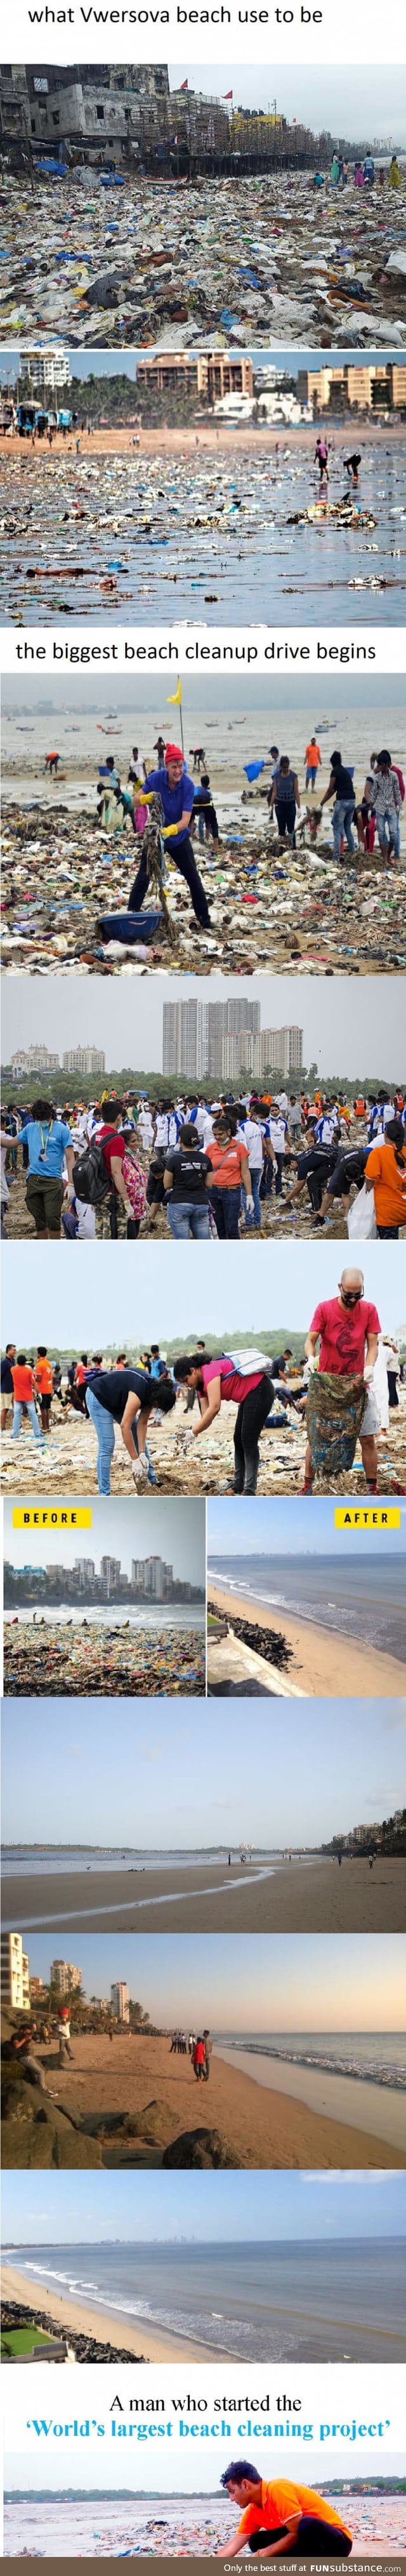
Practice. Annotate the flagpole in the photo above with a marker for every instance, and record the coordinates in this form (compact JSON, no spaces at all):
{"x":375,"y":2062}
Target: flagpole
{"x":181,"y":728}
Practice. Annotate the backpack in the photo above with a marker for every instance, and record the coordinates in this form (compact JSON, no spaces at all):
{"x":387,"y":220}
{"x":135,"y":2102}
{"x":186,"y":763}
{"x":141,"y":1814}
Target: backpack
{"x":246,"y":1362}
{"x":91,"y":1179}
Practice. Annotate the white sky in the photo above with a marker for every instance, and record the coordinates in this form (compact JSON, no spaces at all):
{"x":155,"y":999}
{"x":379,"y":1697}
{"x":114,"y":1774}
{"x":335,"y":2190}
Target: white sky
{"x":372,"y":103}
{"x":125,"y":1531}
{"x":87,"y":1300}
{"x":340,"y":1031}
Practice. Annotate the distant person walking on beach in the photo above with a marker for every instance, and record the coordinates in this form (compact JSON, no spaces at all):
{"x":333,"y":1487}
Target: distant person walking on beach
{"x":321,"y":458}
{"x":313,"y":761}
{"x":281,"y":2519}
{"x":341,"y":1404}
{"x":199,"y":2060}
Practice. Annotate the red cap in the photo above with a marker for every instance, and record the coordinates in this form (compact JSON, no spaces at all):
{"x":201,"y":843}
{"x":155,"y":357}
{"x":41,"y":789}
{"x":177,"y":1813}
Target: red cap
{"x":172,"y":753}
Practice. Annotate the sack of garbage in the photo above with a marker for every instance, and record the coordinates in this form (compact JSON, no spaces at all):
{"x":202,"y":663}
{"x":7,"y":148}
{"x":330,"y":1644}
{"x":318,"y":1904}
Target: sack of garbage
{"x":361,"y":1219}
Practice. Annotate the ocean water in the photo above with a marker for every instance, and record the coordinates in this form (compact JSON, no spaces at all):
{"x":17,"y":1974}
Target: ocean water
{"x":162,"y":2525}
{"x":255,"y":559}
{"x":96,"y":1857}
{"x":365,"y":1599}
{"x":259,"y":2302}
{"x":110,"y":1617}
{"x":372,"y":2057}
{"x":232,"y":738}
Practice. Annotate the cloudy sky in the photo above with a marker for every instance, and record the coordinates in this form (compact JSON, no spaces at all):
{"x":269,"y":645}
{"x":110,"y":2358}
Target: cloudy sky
{"x":178,"y":1536}
{"x":175,"y":1786}
{"x":338,"y":1031}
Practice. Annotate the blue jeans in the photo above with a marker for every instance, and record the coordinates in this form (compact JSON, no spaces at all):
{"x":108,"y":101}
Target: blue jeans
{"x":388,"y":828}
{"x":255,"y":1178}
{"x":226,"y":1206}
{"x":33,"y":1417}
{"x":342,"y":823}
{"x":311,"y":775}
{"x":104,"y":1425}
{"x":186,"y":1219}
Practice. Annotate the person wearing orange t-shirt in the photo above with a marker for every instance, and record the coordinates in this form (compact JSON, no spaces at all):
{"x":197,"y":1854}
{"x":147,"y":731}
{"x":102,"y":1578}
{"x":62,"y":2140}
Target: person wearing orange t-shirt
{"x":385,"y":1174}
{"x":23,"y":1390}
{"x":313,"y":762}
{"x":281,"y":2518}
{"x":44,"y":1381}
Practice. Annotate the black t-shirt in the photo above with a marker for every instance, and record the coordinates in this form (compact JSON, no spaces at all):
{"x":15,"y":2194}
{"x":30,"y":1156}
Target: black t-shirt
{"x":189,"y":1172}
{"x":344,"y":785}
{"x":6,"y":1382}
{"x":112,"y":1386}
{"x":350,"y":1167}
{"x":311,"y":1159}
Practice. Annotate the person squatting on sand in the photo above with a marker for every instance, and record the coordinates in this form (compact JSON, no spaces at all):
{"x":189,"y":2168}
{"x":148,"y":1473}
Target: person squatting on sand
{"x":341,"y":1405}
{"x":233,"y":1382}
{"x":282,"y":2519}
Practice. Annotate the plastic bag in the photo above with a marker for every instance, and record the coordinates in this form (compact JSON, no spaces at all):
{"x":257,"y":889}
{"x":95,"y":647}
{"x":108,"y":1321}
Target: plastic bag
{"x":361,"y":1219}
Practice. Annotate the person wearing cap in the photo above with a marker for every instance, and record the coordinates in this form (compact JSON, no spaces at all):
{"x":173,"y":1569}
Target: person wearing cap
{"x":176,"y":790}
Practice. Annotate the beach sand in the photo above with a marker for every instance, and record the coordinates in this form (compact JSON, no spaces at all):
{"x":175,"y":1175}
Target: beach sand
{"x":327,"y":1664}
{"x":264,"y":2127}
{"x":209,"y":1897}
{"x":123,"y":440}
{"x":66,"y":2312}
{"x":68,"y":1463}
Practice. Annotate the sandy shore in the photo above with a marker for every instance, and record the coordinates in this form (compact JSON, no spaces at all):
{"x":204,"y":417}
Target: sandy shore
{"x":138,"y":2078}
{"x":316,"y":1897}
{"x":327,"y":1664}
{"x":272,"y":438}
{"x":90,"y":2321}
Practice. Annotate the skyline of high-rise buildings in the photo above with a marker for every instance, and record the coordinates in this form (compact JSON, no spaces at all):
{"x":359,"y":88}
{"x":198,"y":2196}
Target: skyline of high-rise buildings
{"x":222,"y":1039}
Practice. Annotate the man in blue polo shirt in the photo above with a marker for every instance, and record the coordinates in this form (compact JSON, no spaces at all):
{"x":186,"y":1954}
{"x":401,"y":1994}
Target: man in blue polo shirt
{"x":49,"y":1144}
{"x":176,"y":791}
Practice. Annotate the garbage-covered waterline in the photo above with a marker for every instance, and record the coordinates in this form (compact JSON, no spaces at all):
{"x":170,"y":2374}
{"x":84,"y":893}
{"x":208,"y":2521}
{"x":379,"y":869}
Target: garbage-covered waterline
{"x":270,"y":907}
{"x":49,"y":1659}
{"x":261,"y":258}
{"x":233,"y":527}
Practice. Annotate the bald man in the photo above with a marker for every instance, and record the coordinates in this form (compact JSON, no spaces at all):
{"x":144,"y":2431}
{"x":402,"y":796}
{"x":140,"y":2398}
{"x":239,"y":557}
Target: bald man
{"x":347,"y":1328}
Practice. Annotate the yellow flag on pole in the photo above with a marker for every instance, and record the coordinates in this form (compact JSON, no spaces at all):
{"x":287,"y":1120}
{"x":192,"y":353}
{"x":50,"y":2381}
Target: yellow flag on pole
{"x":177,"y":700}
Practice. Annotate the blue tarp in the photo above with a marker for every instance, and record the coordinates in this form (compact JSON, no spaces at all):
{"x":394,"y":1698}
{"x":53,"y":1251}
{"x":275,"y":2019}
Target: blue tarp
{"x":252,"y":768}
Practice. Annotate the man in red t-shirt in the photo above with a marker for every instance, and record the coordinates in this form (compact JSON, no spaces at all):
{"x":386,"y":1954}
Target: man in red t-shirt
{"x":218,"y":1381}
{"x":348,"y":1328}
{"x":111,"y":1215}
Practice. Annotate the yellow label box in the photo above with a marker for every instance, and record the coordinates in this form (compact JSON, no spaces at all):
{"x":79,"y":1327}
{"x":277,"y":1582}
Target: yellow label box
{"x":367,"y":1516}
{"x":48,"y":1516}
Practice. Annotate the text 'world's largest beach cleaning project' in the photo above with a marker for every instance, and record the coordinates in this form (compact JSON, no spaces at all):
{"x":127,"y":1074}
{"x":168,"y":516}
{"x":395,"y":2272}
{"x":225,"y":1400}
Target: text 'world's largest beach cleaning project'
{"x":203,"y":1259}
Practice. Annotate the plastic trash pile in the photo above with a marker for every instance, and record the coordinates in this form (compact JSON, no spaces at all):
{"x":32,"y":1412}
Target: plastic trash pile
{"x":270,"y":907}
{"x":44,"y":1660}
{"x":167,"y":264}
{"x":222,"y":530}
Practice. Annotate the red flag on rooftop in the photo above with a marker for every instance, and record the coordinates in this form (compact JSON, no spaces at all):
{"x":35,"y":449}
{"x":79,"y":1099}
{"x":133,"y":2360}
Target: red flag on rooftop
{"x":227,"y":93}
{"x":184,"y":84}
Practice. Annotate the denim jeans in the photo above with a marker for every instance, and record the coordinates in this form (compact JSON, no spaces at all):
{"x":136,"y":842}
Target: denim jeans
{"x":226,"y":1209}
{"x":342,"y":823}
{"x":186,"y":1219}
{"x":388,"y":828}
{"x":255,"y":1178}
{"x":33,"y":1417}
{"x":104,"y":1425}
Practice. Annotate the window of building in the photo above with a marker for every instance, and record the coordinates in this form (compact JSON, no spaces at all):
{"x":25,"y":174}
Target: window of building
{"x":55,"y":116}
{"x":100,"y":114}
